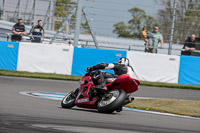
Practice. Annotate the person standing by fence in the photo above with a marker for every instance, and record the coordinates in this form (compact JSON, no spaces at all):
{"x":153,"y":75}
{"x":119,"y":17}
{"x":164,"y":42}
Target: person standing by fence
{"x":144,"y":35}
{"x":37,"y":32}
{"x":18,"y":31}
{"x":155,"y":38}
{"x":189,"y":45}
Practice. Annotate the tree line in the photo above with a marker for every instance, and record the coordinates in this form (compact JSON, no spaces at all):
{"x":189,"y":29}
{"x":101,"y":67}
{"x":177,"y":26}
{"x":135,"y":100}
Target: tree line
{"x":187,"y":20}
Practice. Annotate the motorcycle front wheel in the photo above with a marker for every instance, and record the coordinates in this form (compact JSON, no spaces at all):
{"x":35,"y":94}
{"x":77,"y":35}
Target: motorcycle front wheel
{"x":69,"y":100}
{"x":112,"y":101}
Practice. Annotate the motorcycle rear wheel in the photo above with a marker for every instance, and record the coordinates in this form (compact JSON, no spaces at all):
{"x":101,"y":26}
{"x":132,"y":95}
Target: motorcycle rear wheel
{"x":111,"y":103}
{"x":68,"y":101}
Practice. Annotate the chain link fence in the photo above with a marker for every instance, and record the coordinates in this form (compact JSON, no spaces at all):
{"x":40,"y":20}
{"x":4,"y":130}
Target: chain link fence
{"x":111,"y":24}
{"x":186,"y":24}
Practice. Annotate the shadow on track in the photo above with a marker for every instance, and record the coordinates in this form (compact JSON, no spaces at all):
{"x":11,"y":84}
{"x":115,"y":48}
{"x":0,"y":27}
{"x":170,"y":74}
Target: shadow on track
{"x":88,"y":110}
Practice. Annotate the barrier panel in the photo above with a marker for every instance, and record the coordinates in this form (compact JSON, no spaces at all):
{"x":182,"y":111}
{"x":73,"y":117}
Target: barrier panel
{"x":8,"y":55}
{"x":189,"y":72}
{"x":84,"y":57}
{"x":63,"y":59}
{"x":154,"y":67}
{"x":45,"y":58}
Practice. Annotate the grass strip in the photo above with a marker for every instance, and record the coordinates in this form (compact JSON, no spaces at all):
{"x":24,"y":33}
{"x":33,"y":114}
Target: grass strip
{"x":180,"y":107}
{"x":39,"y":75}
{"x":170,"y":85}
{"x":76,"y":78}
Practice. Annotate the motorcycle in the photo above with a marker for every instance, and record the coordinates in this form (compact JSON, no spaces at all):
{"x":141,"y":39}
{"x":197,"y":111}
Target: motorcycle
{"x":115,"y":95}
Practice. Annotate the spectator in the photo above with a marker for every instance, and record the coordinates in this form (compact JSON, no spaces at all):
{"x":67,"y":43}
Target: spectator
{"x":155,"y":38}
{"x":189,"y":45}
{"x":18,"y":31}
{"x":37,"y":32}
{"x":144,"y":35}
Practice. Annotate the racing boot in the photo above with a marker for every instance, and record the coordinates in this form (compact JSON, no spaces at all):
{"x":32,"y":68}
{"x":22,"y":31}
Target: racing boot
{"x":92,"y":93}
{"x":99,"y":81}
{"x":101,"y":85}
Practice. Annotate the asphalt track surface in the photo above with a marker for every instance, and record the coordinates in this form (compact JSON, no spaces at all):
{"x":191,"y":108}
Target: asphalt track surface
{"x":24,"y":114}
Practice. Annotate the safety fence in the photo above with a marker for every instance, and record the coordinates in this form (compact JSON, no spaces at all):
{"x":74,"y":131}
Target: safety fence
{"x":69,"y":60}
{"x":104,"y":21}
{"x":86,"y":41}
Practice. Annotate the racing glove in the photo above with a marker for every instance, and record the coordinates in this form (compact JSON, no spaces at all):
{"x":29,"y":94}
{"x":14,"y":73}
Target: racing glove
{"x":89,"y":69}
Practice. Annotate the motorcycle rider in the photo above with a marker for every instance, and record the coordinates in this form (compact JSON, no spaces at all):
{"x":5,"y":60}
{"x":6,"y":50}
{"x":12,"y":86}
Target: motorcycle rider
{"x":120,"y":67}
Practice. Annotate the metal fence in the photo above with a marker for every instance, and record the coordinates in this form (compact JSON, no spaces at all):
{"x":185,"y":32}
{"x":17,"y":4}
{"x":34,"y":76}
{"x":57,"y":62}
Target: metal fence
{"x":112,"y":24}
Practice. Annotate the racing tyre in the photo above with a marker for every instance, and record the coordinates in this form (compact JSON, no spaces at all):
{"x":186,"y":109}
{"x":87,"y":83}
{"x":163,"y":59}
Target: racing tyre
{"x":111,"y":101}
{"x":69,"y":100}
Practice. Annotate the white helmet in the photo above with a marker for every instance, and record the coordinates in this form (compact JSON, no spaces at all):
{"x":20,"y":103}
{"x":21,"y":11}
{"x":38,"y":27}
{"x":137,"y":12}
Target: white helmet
{"x":124,"y":61}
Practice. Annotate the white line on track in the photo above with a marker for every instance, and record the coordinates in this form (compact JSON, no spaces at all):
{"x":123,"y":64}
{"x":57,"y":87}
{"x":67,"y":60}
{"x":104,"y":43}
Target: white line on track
{"x":59,"y":96}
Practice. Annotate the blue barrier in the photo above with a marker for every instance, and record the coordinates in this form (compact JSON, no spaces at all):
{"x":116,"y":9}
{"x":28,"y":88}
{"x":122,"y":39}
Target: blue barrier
{"x":189,"y":72}
{"x":84,"y":57}
{"x":8,"y":55}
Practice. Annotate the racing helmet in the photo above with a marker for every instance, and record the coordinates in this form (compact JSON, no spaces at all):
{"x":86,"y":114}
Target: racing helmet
{"x":124,"y":61}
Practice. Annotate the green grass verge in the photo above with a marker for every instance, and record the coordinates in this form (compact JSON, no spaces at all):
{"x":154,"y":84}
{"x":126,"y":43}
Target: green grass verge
{"x":39,"y":75}
{"x":170,"y":85}
{"x":76,"y":78}
{"x":180,"y":107}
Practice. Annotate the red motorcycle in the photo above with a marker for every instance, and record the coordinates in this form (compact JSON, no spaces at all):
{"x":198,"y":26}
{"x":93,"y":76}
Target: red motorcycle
{"x":112,"y":98}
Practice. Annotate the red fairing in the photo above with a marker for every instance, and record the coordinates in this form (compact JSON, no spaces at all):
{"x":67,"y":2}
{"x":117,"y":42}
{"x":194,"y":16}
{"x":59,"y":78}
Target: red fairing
{"x":125,"y":82}
{"x":86,"y":103}
{"x":83,"y":99}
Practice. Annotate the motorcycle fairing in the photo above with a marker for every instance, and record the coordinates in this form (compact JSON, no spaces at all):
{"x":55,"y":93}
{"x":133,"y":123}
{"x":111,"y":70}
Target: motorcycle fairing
{"x":125,"y":82}
{"x":83,"y":99}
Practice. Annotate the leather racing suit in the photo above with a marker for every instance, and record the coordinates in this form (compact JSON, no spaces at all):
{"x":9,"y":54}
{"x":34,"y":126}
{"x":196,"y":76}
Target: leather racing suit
{"x":100,"y":78}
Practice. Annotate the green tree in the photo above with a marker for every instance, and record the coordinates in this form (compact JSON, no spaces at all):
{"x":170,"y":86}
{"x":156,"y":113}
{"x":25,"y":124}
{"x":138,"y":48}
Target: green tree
{"x":85,"y":28}
{"x":135,"y":25}
{"x":187,"y":19}
{"x":193,"y":16}
{"x":122,"y":30}
{"x":63,"y":7}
